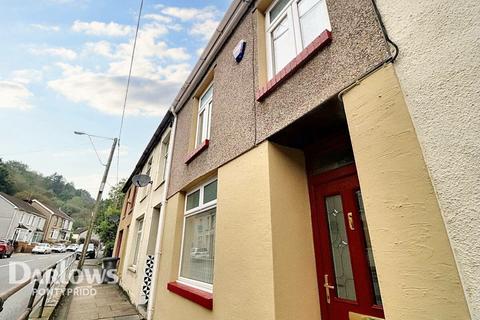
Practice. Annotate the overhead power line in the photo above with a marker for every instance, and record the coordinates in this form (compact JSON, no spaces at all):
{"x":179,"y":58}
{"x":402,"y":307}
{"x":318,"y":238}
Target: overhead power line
{"x":128,"y":86}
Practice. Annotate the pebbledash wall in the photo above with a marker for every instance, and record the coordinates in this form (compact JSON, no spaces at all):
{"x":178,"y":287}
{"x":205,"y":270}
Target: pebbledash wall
{"x":239,"y":122}
{"x":438,"y":68}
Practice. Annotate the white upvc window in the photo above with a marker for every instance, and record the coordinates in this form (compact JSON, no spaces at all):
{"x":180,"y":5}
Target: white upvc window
{"x":164,"y":157}
{"x":291,"y":25}
{"x":198,"y":245}
{"x":138,"y":240}
{"x":204,"y":116}
{"x":148,"y":172}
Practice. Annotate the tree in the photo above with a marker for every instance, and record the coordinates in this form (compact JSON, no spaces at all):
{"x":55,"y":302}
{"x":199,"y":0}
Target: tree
{"x":108,"y":217}
{"x":18,"y":180}
{"x":6,"y":183}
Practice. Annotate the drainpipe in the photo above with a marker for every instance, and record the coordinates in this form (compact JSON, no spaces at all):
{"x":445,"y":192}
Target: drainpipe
{"x":161,"y":223}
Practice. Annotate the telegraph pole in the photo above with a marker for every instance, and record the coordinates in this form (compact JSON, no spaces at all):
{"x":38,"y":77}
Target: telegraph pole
{"x":97,"y":205}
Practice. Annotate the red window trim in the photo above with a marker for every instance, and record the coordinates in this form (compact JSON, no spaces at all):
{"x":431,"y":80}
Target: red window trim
{"x":203,"y":298}
{"x":197,"y":151}
{"x":320,"y":42}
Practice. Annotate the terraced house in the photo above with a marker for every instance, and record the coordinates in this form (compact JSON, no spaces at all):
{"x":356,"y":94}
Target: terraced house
{"x":59,"y":226}
{"x":139,"y":222}
{"x":21,"y":222}
{"x":311,"y":168}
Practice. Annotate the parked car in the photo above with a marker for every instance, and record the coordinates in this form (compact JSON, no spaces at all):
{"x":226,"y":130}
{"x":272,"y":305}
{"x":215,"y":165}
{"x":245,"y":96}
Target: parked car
{"x":90,"y":251}
{"x":60,"y":248}
{"x":72,"y":248}
{"x":42,"y":248}
{"x":6,"y":248}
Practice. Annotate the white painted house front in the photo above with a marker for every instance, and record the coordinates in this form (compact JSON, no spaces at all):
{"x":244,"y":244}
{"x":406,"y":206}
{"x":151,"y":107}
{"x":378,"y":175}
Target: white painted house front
{"x":19,"y":221}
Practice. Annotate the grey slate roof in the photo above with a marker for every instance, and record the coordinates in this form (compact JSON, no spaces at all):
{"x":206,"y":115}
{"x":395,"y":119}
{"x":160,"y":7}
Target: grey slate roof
{"x":56,"y":211}
{"x":22,"y":205}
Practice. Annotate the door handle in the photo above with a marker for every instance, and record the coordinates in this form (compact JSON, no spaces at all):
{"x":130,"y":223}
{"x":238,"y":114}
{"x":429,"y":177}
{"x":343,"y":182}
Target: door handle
{"x":350,"y":221}
{"x":328,"y":287}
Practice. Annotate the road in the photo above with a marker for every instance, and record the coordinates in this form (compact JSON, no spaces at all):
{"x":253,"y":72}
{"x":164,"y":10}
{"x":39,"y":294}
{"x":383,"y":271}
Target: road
{"x":18,"y":302}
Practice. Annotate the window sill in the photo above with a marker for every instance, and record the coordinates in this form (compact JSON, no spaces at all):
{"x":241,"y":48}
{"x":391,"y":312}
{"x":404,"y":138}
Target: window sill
{"x":197,"y":151}
{"x":320,"y":42}
{"x":159,"y":185}
{"x":203,"y":298}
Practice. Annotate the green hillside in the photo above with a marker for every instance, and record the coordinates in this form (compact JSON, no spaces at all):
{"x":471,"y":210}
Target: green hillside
{"x":18,"y":180}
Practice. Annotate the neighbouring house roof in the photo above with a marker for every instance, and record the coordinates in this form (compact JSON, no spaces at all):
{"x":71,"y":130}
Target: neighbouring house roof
{"x":166,"y":121}
{"x":22,"y":204}
{"x":80,"y":230}
{"x":54,"y":210}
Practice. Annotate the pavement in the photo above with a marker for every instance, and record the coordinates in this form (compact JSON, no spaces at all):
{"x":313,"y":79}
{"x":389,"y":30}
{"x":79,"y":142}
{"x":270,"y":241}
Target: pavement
{"x":87,"y":301}
{"x":16,"y":267}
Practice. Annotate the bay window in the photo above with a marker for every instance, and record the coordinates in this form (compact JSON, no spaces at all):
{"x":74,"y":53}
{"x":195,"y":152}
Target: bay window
{"x":291,"y":25}
{"x":204,"y":116}
{"x":198,"y":245}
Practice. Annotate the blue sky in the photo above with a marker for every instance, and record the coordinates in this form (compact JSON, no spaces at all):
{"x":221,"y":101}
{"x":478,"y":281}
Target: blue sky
{"x":63,"y":67}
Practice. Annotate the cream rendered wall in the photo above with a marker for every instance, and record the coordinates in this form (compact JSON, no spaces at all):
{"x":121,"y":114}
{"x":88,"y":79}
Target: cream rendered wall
{"x":132,"y":278}
{"x":415,"y":264}
{"x":439,"y":68}
{"x":295,"y":276}
{"x":264,"y":261}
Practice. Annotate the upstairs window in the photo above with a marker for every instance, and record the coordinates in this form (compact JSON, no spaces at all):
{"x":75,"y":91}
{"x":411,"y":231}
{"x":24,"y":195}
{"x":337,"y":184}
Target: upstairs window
{"x":204,"y":116}
{"x":138,"y":240}
{"x":148,"y":172}
{"x":291,"y":25}
{"x":164,"y":157}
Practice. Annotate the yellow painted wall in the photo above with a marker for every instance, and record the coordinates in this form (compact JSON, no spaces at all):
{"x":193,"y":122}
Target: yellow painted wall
{"x":264,"y":261}
{"x":416,"y":268}
{"x":296,"y":290}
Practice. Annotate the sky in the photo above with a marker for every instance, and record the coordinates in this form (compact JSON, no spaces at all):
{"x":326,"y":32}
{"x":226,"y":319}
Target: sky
{"x":64,"y":67}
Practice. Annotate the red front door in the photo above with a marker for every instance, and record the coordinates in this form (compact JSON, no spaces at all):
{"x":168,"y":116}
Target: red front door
{"x":346,"y":272}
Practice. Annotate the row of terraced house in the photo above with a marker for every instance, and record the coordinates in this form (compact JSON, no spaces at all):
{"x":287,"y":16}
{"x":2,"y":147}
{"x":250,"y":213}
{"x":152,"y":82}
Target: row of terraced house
{"x":27,"y":222}
{"x":321,"y":161}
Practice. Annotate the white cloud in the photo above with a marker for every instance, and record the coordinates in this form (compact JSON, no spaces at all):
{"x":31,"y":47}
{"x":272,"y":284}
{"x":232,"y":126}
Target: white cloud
{"x":25,"y":76}
{"x":185,"y":14}
{"x":203,"y":21}
{"x":158,"y":18}
{"x":60,"y":52}
{"x":97,"y":28}
{"x":204,"y":29}
{"x":45,"y":27}
{"x":14,"y":95}
{"x":102,"y":48}
{"x":159,"y":70}
{"x":149,"y":95}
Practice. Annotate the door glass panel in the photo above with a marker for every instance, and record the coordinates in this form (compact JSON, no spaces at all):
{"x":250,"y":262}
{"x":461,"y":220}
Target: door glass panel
{"x":344,"y":283}
{"x":368,"y":247}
